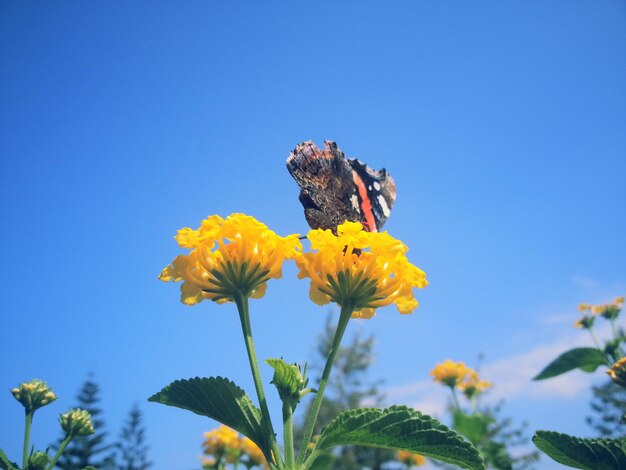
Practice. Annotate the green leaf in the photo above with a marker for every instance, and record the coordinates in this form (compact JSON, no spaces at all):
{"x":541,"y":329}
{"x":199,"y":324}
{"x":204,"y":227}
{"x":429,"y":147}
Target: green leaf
{"x":586,"y":359}
{"x":474,"y":427}
{"x":399,"y":427}
{"x":592,"y":454}
{"x":220,"y":399}
{"x":5,"y":463}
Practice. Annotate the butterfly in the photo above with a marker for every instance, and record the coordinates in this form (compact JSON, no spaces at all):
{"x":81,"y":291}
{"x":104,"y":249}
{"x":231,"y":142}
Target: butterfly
{"x":334,"y":189}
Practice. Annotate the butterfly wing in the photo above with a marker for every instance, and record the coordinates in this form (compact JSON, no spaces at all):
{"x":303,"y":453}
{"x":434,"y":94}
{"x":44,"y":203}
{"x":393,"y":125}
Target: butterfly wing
{"x":334,"y":189}
{"x":327,"y":191}
{"x":377,"y":193}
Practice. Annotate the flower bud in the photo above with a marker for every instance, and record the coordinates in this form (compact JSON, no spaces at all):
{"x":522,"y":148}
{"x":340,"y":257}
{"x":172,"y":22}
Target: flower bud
{"x":289,"y":380}
{"x":33,"y":395}
{"x":38,"y":461}
{"x":77,"y":422}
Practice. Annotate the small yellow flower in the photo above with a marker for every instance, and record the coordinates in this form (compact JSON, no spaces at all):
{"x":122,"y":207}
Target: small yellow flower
{"x":451,"y":373}
{"x":585,"y":322}
{"x":609,"y":311}
{"x":220,"y":440}
{"x":365,"y":270}
{"x":473,"y":386}
{"x":584,"y":307}
{"x":410,"y":459}
{"x":33,"y":395}
{"x":229,"y":257}
{"x":617,"y":372}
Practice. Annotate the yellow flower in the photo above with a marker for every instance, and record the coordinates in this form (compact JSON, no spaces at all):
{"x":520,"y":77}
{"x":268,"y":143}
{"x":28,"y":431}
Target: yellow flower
{"x":33,"y":395}
{"x":365,"y":270}
{"x":451,"y":373}
{"x":609,"y":311}
{"x":617,"y":372}
{"x":255,"y":455}
{"x":229,"y":257}
{"x":584,"y":307}
{"x":584,"y":323}
{"x":410,"y":459}
{"x":472,"y":386}
{"x":221,"y":440}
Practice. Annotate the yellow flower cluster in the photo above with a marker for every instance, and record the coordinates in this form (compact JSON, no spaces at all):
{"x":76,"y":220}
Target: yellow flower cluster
{"x":225,"y":443}
{"x":365,"y":270}
{"x":617,"y":303}
{"x":218,"y":441}
{"x":608,"y":311}
{"x":617,"y":372}
{"x":473,"y":386}
{"x":410,"y":459}
{"x":457,"y":374}
{"x":231,"y":256}
{"x":450,"y":373}
{"x":33,"y":395}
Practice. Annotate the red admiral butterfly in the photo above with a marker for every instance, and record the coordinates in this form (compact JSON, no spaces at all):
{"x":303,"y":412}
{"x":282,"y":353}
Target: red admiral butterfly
{"x":334,"y":189}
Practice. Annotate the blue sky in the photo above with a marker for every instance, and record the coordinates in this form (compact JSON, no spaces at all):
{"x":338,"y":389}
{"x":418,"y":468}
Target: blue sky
{"x":502,"y":123}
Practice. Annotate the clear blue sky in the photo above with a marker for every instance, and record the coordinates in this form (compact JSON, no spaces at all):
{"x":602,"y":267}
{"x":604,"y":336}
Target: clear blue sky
{"x":502,"y":123}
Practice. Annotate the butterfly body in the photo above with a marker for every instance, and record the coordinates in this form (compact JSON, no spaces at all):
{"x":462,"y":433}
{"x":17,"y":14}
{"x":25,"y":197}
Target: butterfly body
{"x":334,"y":189}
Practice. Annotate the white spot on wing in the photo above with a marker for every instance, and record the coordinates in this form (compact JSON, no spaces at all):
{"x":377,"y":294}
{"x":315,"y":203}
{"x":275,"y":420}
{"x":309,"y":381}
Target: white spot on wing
{"x":376,"y":185}
{"x":355,"y":202}
{"x":383,"y":205}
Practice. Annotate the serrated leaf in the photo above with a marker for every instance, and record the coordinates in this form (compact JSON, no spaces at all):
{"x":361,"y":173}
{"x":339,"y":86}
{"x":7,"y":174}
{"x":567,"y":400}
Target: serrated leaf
{"x":220,"y":399}
{"x":5,"y":463}
{"x":399,"y":427}
{"x":576,"y":452}
{"x":473,"y":427}
{"x":585,"y":359}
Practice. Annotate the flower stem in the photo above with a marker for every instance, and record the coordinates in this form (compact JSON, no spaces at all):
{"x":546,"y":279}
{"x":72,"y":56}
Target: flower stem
{"x":288,"y":431}
{"x":29,"y":421}
{"x":455,"y":398}
{"x":62,"y":447}
{"x":244,"y":316}
{"x":344,"y":317}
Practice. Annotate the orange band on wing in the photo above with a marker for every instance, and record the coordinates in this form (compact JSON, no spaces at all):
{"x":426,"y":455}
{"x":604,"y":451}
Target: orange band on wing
{"x":366,"y":206}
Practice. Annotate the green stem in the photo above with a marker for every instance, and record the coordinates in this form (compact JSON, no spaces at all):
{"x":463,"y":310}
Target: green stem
{"x":344,"y":317}
{"x":595,"y":341}
{"x":288,"y":431}
{"x":29,"y":421}
{"x":455,"y":398}
{"x":244,"y":316}
{"x":62,"y":447}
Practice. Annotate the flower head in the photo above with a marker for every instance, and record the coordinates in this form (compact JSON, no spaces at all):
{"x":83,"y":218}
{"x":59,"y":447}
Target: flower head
{"x":253,"y":453}
{"x":451,"y":373}
{"x":229,"y":257}
{"x":410,"y":459}
{"x":366,"y":270}
{"x":585,"y":322}
{"x":472,"y":386}
{"x":220,"y":441}
{"x":617,"y":372}
{"x":33,"y":395}
{"x":77,"y":422}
